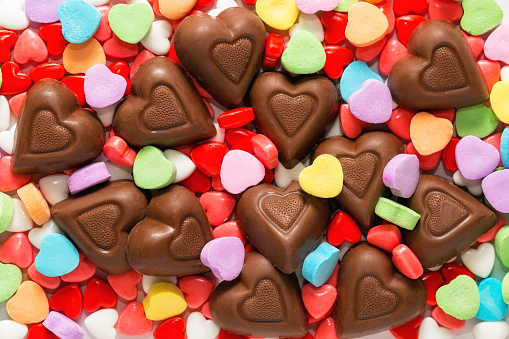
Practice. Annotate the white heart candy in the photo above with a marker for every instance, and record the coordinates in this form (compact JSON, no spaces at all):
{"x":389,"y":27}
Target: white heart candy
{"x":12,"y":14}
{"x":220,"y":134}
{"x":221,"y":5}
{"x":473,"y":186}
{"x":12,"y":330}
{"x":101,"y":324}
{"x":429,"y":329}
{"x":149,"y":280}
{"x":54,"y":188}
{"x":36,"y":234}
{"x":504,"y":73}
{"x":310,"y":23}
{"x":5,"y":113}
{"x":185,"y":166}
{"x":7,"y":137}
{"x":157,"y":39}
{"x":21,"y":220}
{"x":491,"y":330}
{"x":284,"y":177}
{"x":480,"y":261}
{"x":105,"y":114}
{"x":119,"y":172}
{"x":200,"y":328}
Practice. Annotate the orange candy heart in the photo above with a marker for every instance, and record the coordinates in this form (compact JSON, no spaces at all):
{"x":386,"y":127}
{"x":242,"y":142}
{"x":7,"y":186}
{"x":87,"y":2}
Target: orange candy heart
{"x":430,"y":134}
{"x":29,"y":305}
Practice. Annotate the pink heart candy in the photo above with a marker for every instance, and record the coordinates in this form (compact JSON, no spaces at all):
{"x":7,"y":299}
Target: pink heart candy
{"x":475,"y":158}
{"x":318,"y":300}
{"x":103,"y":33}
{"x":132,"y":320}
{"x":29,"y":47}
{"x":44,"y":281}
{"x":494,"y":48}
{"x":102,"y":87}
{"x":84,"y":271}
{"x":125,"y":285}
{"x":197,"y":290}
{"x":218,"y":206}
{"x":224,"y":256}
{"x":42,"y":11}
{"x":401,"y":175}
{"x":313,"y":6}
{"x":17,"y":250}
{"x":372,"y":102}
{"x":495,"y":187}
{"x":240,"y":170}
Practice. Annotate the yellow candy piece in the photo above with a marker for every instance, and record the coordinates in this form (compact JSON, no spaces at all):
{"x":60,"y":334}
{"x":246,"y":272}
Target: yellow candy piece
{"x":500,"y":100}
{"x":430,"y":134}
{"x":175,"y":9}
{"x":278,"y":14}
{"x":366,"y":24}
{"x":324,"y":178}
{"x":78,"y":58}
{"x":29,"y":305}
{"x":163,"y":301}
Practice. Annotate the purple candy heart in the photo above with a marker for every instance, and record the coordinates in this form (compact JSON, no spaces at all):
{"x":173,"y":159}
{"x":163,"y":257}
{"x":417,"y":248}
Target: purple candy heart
{"x":102,"y":87}
{"x":88,"y":176}
{"x":62,"y":326}
{"x":42,"y":11}
{"x":476,"y":159}
{"x":224,"y":256}
{"x":495,"y":187}
{"x":372,"y":102}
{"x":401,"y":175}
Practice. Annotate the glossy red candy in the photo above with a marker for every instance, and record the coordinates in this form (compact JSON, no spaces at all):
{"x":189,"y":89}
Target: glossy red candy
{"x":52,"y":70}
{"x":172,"y":328}
{"x":119,"y":49}
{"x":490,"y":235}
{"x":208,"y":157}
{"x":265,"y":151}
{"x":38,"y":331}
{"x":197,"y":182}
{"x":386,"y":8}
{"x":337,"y":58}
{"x":122,"y":68}
{"x":13,"y":80}
{"x":237,"y":117}
{"x":351,"y":125}
{"x":406,"y":261}
{"x":7,"y":41}
{"x":201,"y":4}
{"x":17,"y":102}
{"x":369,"y":53}
{"x":426,"y":162}
{"x":392,"y":52}
{"x":229,"y":229}
{"x":218,"y":206}
{"x":273,"y":50}
{"x":405,"y":25}
{"x":240,"y":138}
{"x":196,"y":289}
{"x":227,"y":335}
{"x":335,"y":26}
{"x":402,"y":7}
{"x":386,"y":236}
{"x":11,"y":181}
{"x":445,"y":10}
{"x":491,"y":71}
{"x":449,"y":155}
{"x":76,"y":83}
{"x":17,"y":250}
{"x":446,"y":320}
{"x":494,"y":140}
{"x":451,"y":270}
{"x":343,"y":228}
{"x":399,"y":122}
{"x":408,"y":330}
{"x":55,"y":41}
{"x":119,"y":152}
{"x":69,"y":300}
{"x":125,"y":285}
{"x":433,"y":281}
{"x":98,"y":294}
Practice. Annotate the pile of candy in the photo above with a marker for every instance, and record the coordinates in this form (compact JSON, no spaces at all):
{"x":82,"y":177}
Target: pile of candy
{"x":307,"y":208}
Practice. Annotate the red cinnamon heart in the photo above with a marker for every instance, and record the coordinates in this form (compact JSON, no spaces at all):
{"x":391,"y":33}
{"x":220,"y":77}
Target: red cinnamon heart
{"x":273,"y":50}
{"x":103,"y":33}
{"x":445,"y":10}
{"x":17,"y":102}
{"x":125,"y":285}
{"x":386,"y":8}
{"x":433,"y":281}
{"x":52,"y":70}
{"x":197,"y":182}
{"x":69,"y":300}
{"x":218,"y":206}
{"x":426,"y":162}
{"x":38,"y":331}
{"x":343,"y":228}
{"x":17,"y":250}
{"x":392,"y":52}
{"x":269,"y":176}
{"x":318,"y":300}
{"x":494,"y":140}
{"x":326,"y":329}
{"x":406,"y":261}
{"x":197,"y":290}
{"x":240,"y":138}
{"x":402,"y":7}
{"x":451,"y":270}
{"x":217,"y":185}
{"x":122,"y":68}
{"x":202,"y":4}
{"x":55,"y":41}
{"x":98,"y":294}
{"x":335,"y":26}
{"x":333,"y":280}
{"x":11,"y":181}
{"x":84,"y":271}
{"x":141,"y":58}
{"x":76,"y":83}
{"x":47,"y":282}
{"x":448,"y":114}
{"x":29,"y":47}
{"x":205,"y":309}
{"x":312,"y":320}
{"x":399,"y":122}
{"x":446,"y":320}
{"x":227,"y":335}
{"x":229,"y":229}
{"x":14,"y":81}
{"x":490,"y":235}
{"x":7,"y":40}
{"x":369,"y":53}
{"x":116,"y":48}
{"x":133,"y":322}
{"x":491,"y":71}
{"x":208,"y":157}
{"x":476,"y":43}
{"x":119,"y":152}
{"x":337,"y":58}
{"x":449,"y":155}
{"x":405,"y":25}
{"x":408,"y":330}
{"x":351,"y":126}
{"x":387,"y":237}
{"x":172,"y":328}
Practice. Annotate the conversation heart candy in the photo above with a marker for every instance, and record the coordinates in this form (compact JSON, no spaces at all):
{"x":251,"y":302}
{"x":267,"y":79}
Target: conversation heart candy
{"x":79,"y":19}
{"x":492,"y":307}
{"x":10,"y":279}
{"x":313,"y":6}
{"x":475,"y":158}
{"x":397,"y":214}
{"x":224,"y":256}
{"x":480,"y":16}
{"x":366,"y":24}
{"x":319,"y":264}
{"x":279,"y":14}
{"x":240,"y":170}
{"x":163,"y":301}
{"x":430,"y":134}
{"x":78,"y":58}
{"x":29,"y":305}
{"x":354,"y":77}
{"x":57,"y":256}
{"x":460,"y":298}
{"x":44,"y":11}
{"x":494,"y":185}
{"x":401,"y":175}
{"x":479,"y":121}
{"x":152,"y":170}
{"x":102,"y":87}
{"x":130,"y":23}
{"x":324,"y":178}
{"x":62,"y":326}
{"x":372,"y":103}
{"x":6,"y":212}
{"x":304,"y":54}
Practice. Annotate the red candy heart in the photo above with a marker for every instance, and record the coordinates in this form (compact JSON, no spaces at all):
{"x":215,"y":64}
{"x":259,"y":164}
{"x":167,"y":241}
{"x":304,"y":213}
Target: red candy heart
{"x":141,"y":58}
{"x":84,"y":271}
{"x":122,"y":68}
{"x":476,"y":44}
{"x":119,"y":152}
{"x":197,"y":290}
{"x":408,"y":330}
{"x":490,"y":235}
{"x":433,"y":281}
{"x":116,"y":48}
{"x":449,"y":155}
{"x":11,"y":181}
{"x":386,"y":236}
{"x":133,"y":322}
{"x":402,"y":7}
{"x":491,"y":71}
{"x":17,"y":102}
{"x":406,"y":261}
{"x":172,"y":328}
{"x":448,"y":114}
{"x":229,"y":229}
{"x":446,"y":320}
{"x":494,"y":140}
{"x":44,"y":281}
{"x":335,"y":26}
{"x":266,"y":152}
{"x":218,"y":206}
{"x":204,"y":3}
{"x":386,"y":8}
{"x":208,"y":157}
{"x":307,"y":336}
{"x":103,"y":33}
{"x":405,"y":25}
{"x":392,"y":52}
{"x":399,"y":122}
{"x":227,"y":335}
{"x":197,"y":182}
{"x":337,"y":58}
{"x":369,"y":53}
{"x":326,"y":329}
{"x":68,"y":299}
{"x":125,"y":284}
{"x":217,"y":185}
{"x":343,"y":228}
{"x":445,"y":10}
{"x":98,"y":294}
{"x":237,"y":117}
{"x":318,"y":300}
{"x":426,"y":162}
{"x":52,"y":70}
{"x":7,"y":40}
{"x":55,"y":41}
{"x":38,"y":331}
{"x":76,"y":84}
{"x":29,"y":47}
{"x":17,"y":250}
{"x":451,"y":270}
{"x":206,"y":311}
{"x":333,"y":280}
{"x":351,"y":126}
{"x":240,"y":138}
{"x":273,"y":50}
{"x":13,"y":80}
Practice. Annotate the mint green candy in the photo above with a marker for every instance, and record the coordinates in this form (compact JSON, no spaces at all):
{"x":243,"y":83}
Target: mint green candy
{"x":152,"y":170}
{"x":479,"y":121}
{"x":460,"y":298}
{"x":6,"y":211}
{"x":505,"y":288}
{"x":344,"y":5}
{"x":10,"y":279}
{"x":304,"y":54}
{"x":396,"y":213}
{"x":502,"y":245}
{"x":130,"y":23}
{"x":480,"y":16}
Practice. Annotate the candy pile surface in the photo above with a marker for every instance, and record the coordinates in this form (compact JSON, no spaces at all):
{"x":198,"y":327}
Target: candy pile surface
{"x":220,"y":169}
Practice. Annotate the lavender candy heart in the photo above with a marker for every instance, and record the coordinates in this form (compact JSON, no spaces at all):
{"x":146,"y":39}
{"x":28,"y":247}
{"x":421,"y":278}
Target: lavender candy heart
{"x":495,"y":187}
{"x":401,"y":175}
{"x":372,"y":102}
{"x":42,"y":11}
{"x":224,"y":256}
{"x":62,"y":326}
{"x":88,"y":176}
{"x":476,"y":159}
{"x":102,"y":87}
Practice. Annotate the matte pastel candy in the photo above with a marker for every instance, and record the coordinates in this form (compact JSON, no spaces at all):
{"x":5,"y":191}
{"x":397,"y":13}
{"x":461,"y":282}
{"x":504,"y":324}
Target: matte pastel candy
{"x":304,"y":54}
{"x":57,"y":256}
{"x":62,"y":326}
{"x":354,"y":77}
{"x":224,"y":256}
{"x":401,"y":175}
{"x":491,"y":330}
{"x":6,"y":211}
{"x":279,"y":14}
{"x":130,"y":23}
{"x":494,"y":45}
{"x":12,"y":329}
{"x":505,"y":288}
{"x":460,"y":298}
{"x":344,"y":5}
{"x":502,"y":245}
{"x":101,"y":324}
{"x":429,"y":133}
{"x":240,"y":170}
{"x":313,"y":6}
{"x":29,"y":305}
{"x":480,"y":16}
{"x":102,"y":87}
{"x":366,"y":24}
{"x":492,"y":306}
{"x":152,"y":170}
{"x":504,"y":147}
{"x":79,"y":20}
{"x":479,"y":121}
{"x":495,"y":187}
{"x":372,"y":103}
{"x":88,"y":176}
{"x":319,"y":264}
{"x":10,"y":279}
{"x":476,"y":159}
{"x":42,"y":11}
{"x":324,"y":178}
{"x":499,"y":97}
{"x":396,"y":213}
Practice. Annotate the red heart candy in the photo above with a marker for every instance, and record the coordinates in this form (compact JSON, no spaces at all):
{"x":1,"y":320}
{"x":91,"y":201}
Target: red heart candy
{"x":227,"y":335}
{"x":172,"y":55}
{"x":208,"y":157}
{"x":98,"y":294}
{"x":406,"y":261}
{"x":14,"y":81}
{"x":202,"y":4}
{"x":386,"y":8}
{"x":307,"y":336}
{"x":335,"y":26}
{"x":7,"y":40}
{"x":449,"y":155}
{"x":122,"y":68}
{"x":392,"y":52}
{"x":445,"y":10}
{"x":402,"y":7}
{"x":494,"y":140}
{"x":197,"y":290}
{"x":386,"y":236}
{"x":125,"y":284}
{"x":52,"y":34}
{"x":197,"y":182}
{"x":218,"y":206}
{"x":318,"y":300}
{"x":141,"y":58}
{"x":337,"y":58}
{"x":426,"y":162}
{"x":476,"y":44}
{"x":351,"y":126}
{"x":44,"y":281}
{"x":433,"y":281}
{"x":236,"y":117}
{"x":76,"y":83}
{"x":451,"y":270}
{"x":326,"y":329}
{"x":448,"y":114}
{"x":491,"y":71}
{"x":273,"y":50}
{"x":229,"y":229}
{"x":119,"y":152}
{"x":17,"y":102}
{"x":103,"y":33}
{"x":116,"y":48}
{"x":29,"y":47}
{"x":269,"y":176}
{"x":38,"y":331}
{"x":240,"y":138}
{"x":399,"y":122}
{"x":11,"y":181}
{"x":69,"y":300}
{"x":172,"y":328}
{"x":343,"y":228}
{"x":17,"y":250}
{"x":490,"y":235}
{"x":405,"y":25}
{"x":408,"y":330}
{"x":446,"y":320}
{"x":369,"y":53}
{"x":217,"y":185}
{"x":84,"y":271}
{"x":133,"y":322}
{"x":206,"y":311}
{"x":52,"y":70}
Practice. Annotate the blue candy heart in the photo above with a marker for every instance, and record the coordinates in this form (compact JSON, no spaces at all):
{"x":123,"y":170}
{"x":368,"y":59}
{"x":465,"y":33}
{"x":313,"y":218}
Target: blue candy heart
{"x":80,"y":20}
{"x":354,"y":76}
{"x":319,"y":264}
{"x":57,"y":256}
{"x":493,"y":307}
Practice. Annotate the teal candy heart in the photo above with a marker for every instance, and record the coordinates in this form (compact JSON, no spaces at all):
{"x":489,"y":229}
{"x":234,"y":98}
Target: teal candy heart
{"x":80,"y":20}
{"x":130,"y":23}
{"x":479,"y":121}
{"x":460,"y":298}
{"x":6,"y":211}
{"x":10,"y":279}
{"x":57,"y":256}
{"x":152,"y":170}
{"x":304,"y":54}
{"x":480,"y":16}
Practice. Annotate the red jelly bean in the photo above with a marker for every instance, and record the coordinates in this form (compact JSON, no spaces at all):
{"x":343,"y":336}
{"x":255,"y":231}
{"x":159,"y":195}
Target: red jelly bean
{"x":52,"y":70}
{"x":69,"y":300}
{"x":426,"y":162}
{"x":408,"y":330}
{"x":218,"y":206}
{"x":449,"y":155}
{"x":273,"y":50}
{"x":208,"y":157}
{"x":55,"y":41}
{"x":11,"y":181}
{"x":405,"y":25}
{"x":237,"y":117}
{"x":240,"y":138}
{"x":7,"y":41}
{"x":451,"y":270}
{"x":386,"y":236}
{"x":446,"y":320}
{"x":433,"y":281}
{"x":335,"y":26}
{"x":98,"y":294}
{"x":13,"y":80}
{"x":197,"y":182}
{"x":343,"y":228}
{"x":265,"y":150}
{"x":76,"y":83}
{"x":337,"y":58}
{"x":406,"y":261}
{"x":117,"y":151}
{"x":351,"y":126}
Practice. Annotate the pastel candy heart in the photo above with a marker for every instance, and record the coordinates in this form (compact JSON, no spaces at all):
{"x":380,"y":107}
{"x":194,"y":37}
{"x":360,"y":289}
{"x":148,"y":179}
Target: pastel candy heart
{"x":344,"y":5}
{"x":278,"y":14}
{"x":313,"y":6}
{"x":310,"y":23}
{"x":493,"y":47}
{"x":175,"y":9}
{"x":324,"y":178}
{"x":5,"y":112}
{"x":80,"y":20}
{"x":491,"y":330}
{"x":366,"y":24}
{"x":284,"y":176}
{"x":57,"y":256}
{"x":163,"y":301}
{"x":430,"y":134}
{"x":157,"y":39}
{"x":12,"y":15}
{"x":480,"y":16}
{"x":7,"y":139}
{"x":132,"y":320}
{"x":372,"y":103}
{"x":480,"y":261}
{"x":304,"y":54}
{"x":502,"y":244}
{"x":42,"y":11}
{"x":401,"y":175}
{"x":88,"y":176}
{"x":37,"y":234}
{"x":29,"y":305}
{"x":479,"y":121}
{"x":101,"y":324}
{"x":354,"y":77}
{"x":200,"y":328}
{"x":102,"y":87}
{"x":240,"y":170}
{"x":62,"y":326}
{"x":397,"y":214}
{"x":319,"y":264}
{"x":475,"y":158}
{"x":185,"y":166}
{"x":460,"y":298}
{"x":224,"y":256}
{"x":13,"y":330}
{"x":505,"y":288}
{"x":130,"y":23}
{"x":152,"y":170}
{"x":6,"y":211}
{"x":493,"y":307}
{"x":78,"y":58}
{"x":429,"y":329}
{"x":10,"y":279}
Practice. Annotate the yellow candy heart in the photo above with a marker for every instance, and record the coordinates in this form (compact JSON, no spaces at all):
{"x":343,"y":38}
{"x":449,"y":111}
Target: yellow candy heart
{"x":430,"y":134}
{"x":78,"y":58}
{"x":500,"y":100}
{"x":29,"y":305}
{"x":323,"y":179}
{"x":366,"y":24}
{"x":163,"y":301}
{"x":278,"y":14}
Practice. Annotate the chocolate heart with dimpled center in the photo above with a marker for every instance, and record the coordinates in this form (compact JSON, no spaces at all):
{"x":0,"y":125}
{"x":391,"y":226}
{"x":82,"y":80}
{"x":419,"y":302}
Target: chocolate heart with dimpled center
{"x":164,"y":108}
{"x":363,"y":161}
{"x":285,"y":225}
{"x":222,"y":54}
{"x":54,"y":133}
{"x":168,"y":242}
{"x":372,"y":295}
{"x":439,"y":71}
{"x":98,"y":221}
{"x":293,"y":113}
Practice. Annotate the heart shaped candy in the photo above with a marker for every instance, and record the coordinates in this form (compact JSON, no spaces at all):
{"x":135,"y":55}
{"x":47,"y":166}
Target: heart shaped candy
{"x":460,"y":298}
{"x":57,"y":256}
{"x":481,"y":16}
{"x":200,"y":328}
{"x":130,"y":23}
{"x":10,"y":279}
{"x":494,"y":186}
{"x":475,"y":158}
{"x":101,"y":324}
{"x":132,"y":320}
{"x":79,"y":20}
{"x":163,"y":301}
{"x":372,"y":103}
{"x":29,"y":305}
{"x":12,"y":329}
{"x":102,"y":87}
{"x":324,"y":178}
{"x":240,"y":170}
{"x":429,"y":329}
{"x":224,"y":256}
{"x":401,"y":175}
{"x":69,"y":300}
{"x":157,"y":39}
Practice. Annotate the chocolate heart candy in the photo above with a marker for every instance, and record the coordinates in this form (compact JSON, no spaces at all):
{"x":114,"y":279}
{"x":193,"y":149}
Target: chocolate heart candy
{"x":168,"y":242}
{"x":363,"y":162}
{"x":164,"y":108}
{"x":451,"y":221}
{"x":439,"y":71}
{"x":372,"y":295}
{"x":54,"y":133}
{"x":294,"y":113}
{"x":98,"y":221}
{"x":222,"y":54}
{"x":285,"y":225}
{"x":261,"y":302}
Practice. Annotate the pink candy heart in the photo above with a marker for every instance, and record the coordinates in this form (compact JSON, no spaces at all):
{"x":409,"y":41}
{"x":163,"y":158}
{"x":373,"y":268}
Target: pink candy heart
{"x":494,"y":48}
{"x":401,"y":175}
{"x":197,"y":290}
{"x":495,"y":187}
{"x":125,"y":285}
{"x":132,"y":320}
{"x":29,"y":47}
{"x":102,"y":87}
{"x":240,"y":170}
{"x":224,"y":256}
{"x":313,"y":6}
{"x":17,"y":250}
{"x":318,"y":300}
{"x":475,"y":158}
{"x":44,"y":281}
{"x":84,"y":271}
{"x":218,"y":206}
{"x":372,"y":102}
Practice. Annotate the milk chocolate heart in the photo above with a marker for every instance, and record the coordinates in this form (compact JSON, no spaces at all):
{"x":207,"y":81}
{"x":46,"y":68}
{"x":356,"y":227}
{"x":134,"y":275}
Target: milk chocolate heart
{"x":164,"y":108}
{"x":261,"y":302}
{"x":451,"y":221}
{"x":222,"y":54}
{"x":168,"y":242}
{"x":98,"y":221}
{"x":54,"y":133}
{"x":363,"y":161}
{"x":293,"y":113}
{"x":439,"y":71}
{"x":372,"y":295}
{"x":285,"y":225}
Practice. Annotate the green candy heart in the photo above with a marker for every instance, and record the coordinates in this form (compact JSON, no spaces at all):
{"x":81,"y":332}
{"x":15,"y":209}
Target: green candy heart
{"x":480,"y":16}
{"x":130,"y":23}
{"x":10,"y":279}
{"x":6,"y":211}
{"x":505,"y":288}
{"x":479,"y":121}
{"x":304,"y":54}
{"x":152,"y":170}
{"x":344,"y":5}
{"x":460,"y":298}
{"x":396,"y":213}
{"x":502,"y":245}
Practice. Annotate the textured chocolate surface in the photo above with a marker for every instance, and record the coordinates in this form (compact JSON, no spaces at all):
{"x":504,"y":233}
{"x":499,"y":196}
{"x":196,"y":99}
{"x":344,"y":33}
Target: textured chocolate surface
{"x":54,"y":133}
{"x":164,"y":108}
{"x":222,"y":54}
{"x":285,"y":225}
{"x":293,"y":113}
{"x":451,"y":221}
{"x":261,"y":302}
{"x":168,"y":242}
{"x":372,"y":295}
{"x":98,"y":222}
{"x":363,"y":161}
{"x":439,"y":71}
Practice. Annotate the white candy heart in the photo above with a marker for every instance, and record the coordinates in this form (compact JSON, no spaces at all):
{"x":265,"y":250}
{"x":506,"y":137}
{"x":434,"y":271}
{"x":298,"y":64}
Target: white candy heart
{"x":220,"y":134}
{"x":429,"y":329}
{"x":284,"y":177}
{"x":200,"y":328}
{"x":97,"y":2}
{"x":5,"y":113}
{"x":473,"y":186}
{"x":310,"y":23}
{"x":36,"y":234}
{"x":185,"y":166}
{"x":119,"y":172}
{"x":21,"y":220}
{"x":504,"y":73}
{"x":105,"y":114}
{"x":480,"y":261}
{"x":149,"y":280}
{"x":157,"y":39}
{"x":221,"y":5}
{"x":10,"y":329}
{"x":54,"y":188}
{"x":7,"y":137}
{"x":491,"y":330}
{"x":101,"y":324}
{"x":12,"y":14}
